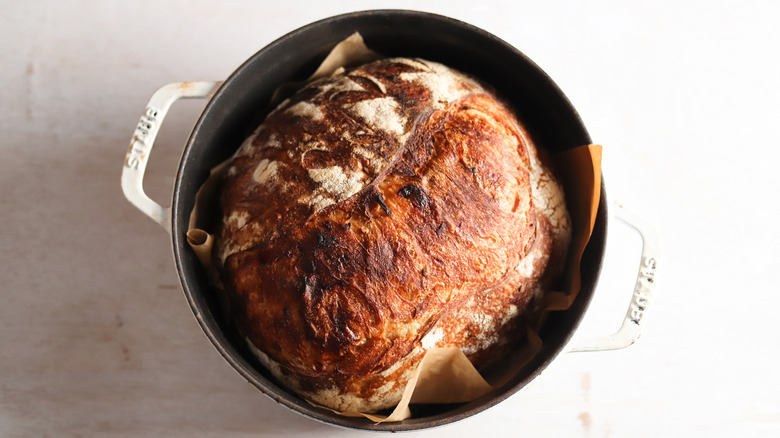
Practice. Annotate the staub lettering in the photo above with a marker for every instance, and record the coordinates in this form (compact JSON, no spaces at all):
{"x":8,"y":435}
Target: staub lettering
{"x":643,"y":289}
{"x":139,"y":147}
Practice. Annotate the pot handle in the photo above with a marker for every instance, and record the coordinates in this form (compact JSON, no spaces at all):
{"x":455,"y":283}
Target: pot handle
{"x":143,"y":139}
{"x":643,"y":290}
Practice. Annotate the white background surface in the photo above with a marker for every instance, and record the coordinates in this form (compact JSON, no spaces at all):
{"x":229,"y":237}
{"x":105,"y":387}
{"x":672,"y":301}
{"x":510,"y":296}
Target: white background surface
{"x":96,"y":338}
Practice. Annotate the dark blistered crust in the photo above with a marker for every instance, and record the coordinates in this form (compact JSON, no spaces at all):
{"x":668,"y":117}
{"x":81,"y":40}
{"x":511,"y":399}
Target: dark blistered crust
{"x":418,"y":231}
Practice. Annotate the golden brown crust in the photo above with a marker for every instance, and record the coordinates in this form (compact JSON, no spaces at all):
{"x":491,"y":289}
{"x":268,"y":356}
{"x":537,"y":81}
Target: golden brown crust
{"x":377,"y":213}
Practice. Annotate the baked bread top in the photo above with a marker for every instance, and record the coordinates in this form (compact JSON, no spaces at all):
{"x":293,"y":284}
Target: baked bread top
{"x":378,"y":212}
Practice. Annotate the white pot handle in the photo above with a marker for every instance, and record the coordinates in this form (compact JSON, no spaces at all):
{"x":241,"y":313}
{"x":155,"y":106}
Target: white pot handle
{"x":143,"y":139}
{"x":643,"y":290}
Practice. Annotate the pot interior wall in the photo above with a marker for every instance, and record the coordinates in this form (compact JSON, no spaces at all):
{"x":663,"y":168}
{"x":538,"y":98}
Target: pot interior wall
{"x":243,"y":101}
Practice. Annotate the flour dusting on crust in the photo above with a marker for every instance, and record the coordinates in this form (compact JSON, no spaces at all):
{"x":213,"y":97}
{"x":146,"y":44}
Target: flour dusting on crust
{"x":266,"y":173}
{"x":548,"y":195}
{"x":338,"y":183}
{"x":380,"y":113}
{"x":444,"y":85}
{"x":306,"y":109}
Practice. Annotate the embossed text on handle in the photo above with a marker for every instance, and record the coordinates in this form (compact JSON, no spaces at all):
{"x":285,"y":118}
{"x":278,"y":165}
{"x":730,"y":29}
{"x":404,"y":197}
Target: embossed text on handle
{"x":643,"y":289}
{"x":139,"y":145}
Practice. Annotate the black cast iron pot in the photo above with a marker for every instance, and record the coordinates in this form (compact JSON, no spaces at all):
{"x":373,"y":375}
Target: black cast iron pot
{"x":237,"y":105}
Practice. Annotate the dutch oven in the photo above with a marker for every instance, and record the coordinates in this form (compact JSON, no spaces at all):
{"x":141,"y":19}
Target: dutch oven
{"x":237,"y":105}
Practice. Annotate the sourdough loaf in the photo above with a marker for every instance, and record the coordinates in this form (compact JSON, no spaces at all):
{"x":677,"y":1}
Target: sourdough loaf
{"x":379,"y":212}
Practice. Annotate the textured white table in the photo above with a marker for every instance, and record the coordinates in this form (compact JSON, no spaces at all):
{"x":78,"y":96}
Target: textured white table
{"x":96,"y":338}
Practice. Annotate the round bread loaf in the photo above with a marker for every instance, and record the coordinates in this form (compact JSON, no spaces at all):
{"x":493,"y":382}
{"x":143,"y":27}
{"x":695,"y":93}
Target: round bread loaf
{"x":377,"y":213}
